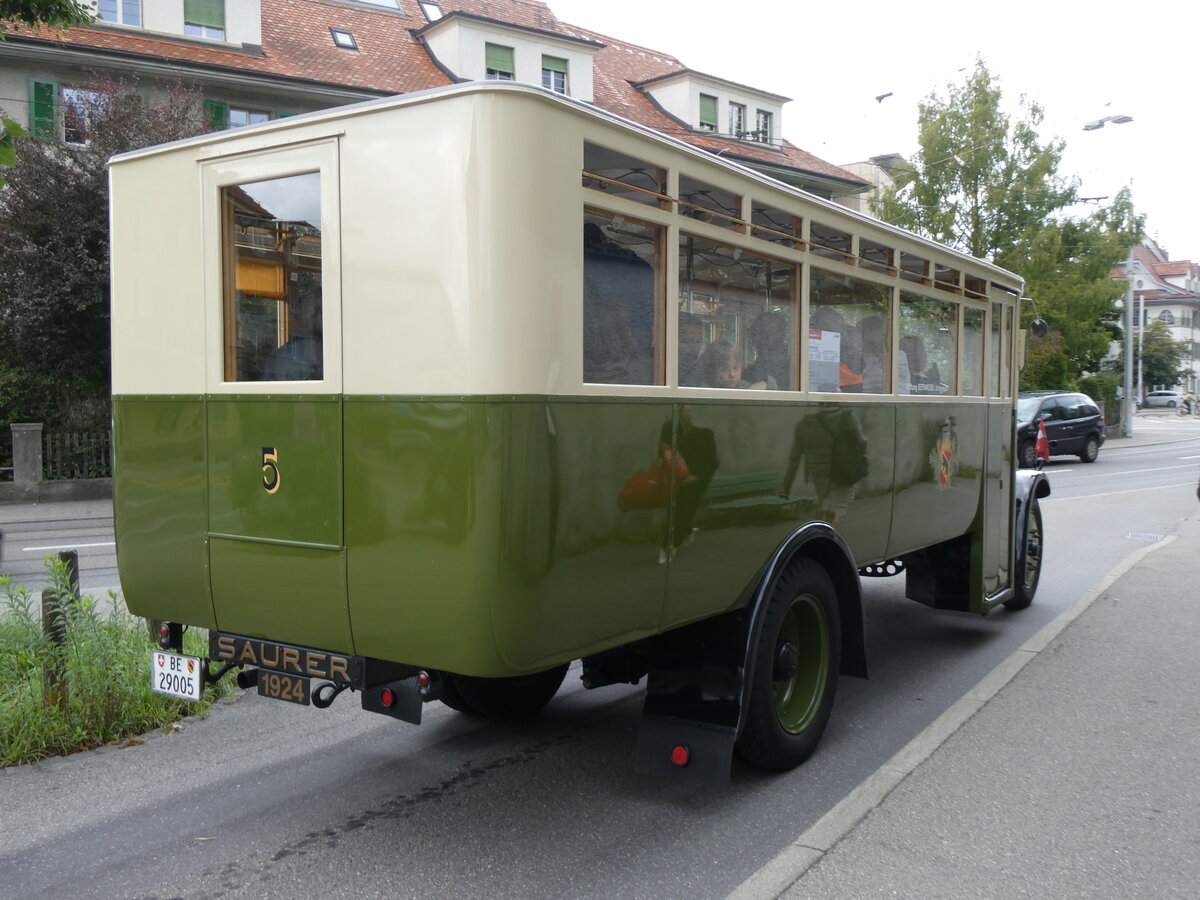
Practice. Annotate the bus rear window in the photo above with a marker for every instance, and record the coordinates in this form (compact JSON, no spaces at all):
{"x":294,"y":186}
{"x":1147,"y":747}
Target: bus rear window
{"x":272,"y":282}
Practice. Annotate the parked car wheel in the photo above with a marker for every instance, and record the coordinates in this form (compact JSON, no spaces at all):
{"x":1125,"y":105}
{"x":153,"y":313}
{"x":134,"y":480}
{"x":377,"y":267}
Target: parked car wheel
{"x":1027,"y":456}
{"x":1091,"y":450}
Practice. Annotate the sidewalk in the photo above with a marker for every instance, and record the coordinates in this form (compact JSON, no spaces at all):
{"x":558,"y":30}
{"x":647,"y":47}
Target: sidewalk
{"x":1070,"y":771}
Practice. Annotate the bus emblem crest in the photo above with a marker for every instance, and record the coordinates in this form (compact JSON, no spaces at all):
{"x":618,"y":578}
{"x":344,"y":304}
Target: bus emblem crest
{"x":943,"y":459}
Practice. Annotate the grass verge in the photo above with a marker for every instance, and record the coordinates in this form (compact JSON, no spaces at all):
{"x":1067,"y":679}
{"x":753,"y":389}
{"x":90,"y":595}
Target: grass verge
{"x":104,"y":664}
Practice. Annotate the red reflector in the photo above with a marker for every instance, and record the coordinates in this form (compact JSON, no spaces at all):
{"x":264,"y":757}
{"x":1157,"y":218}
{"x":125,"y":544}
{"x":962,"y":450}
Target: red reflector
{"x":680,"y":755}
{"x":387,"y":698}
{"x":423,"y":679}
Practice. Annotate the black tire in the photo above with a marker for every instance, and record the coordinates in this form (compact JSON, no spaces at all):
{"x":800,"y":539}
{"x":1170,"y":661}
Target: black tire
{"x":1027,"y":456}
{"x":1029,"y":560}
{"x":453,"y":699}
{"x":1091,"y":449}
{"x":1171,"y":403}
{"x":523,"y":695}
{"x":796,"y":662}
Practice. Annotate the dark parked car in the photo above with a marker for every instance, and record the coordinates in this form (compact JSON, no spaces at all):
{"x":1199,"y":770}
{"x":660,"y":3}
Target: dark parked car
{"x":1074,"y":425}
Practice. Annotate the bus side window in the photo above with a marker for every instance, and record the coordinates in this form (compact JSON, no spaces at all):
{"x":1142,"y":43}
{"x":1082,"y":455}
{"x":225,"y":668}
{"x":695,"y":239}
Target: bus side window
{"x":848,"y":335}
{"x":738,"y":305}
{"x":622,"y":301}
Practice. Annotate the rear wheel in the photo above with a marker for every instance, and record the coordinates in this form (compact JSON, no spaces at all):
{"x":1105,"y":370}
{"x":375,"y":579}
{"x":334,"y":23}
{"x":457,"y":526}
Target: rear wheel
{"x":500,"y":697}
{"x":1091,"y":449}
{"x":1029,"y":560}
{"x":796,"y":663}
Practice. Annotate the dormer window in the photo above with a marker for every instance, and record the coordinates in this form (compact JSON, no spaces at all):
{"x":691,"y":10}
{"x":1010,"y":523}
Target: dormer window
{"x":343,"y":39}
{"x":204,"y":18}
{"x":554,"y":74}
{"x":122,"y":12}
{"x":432,"y":11}
{"x":499,"y":63}
{"x":762,"y":124}
{"x":737,"y":119}
{"x":708,"y":113}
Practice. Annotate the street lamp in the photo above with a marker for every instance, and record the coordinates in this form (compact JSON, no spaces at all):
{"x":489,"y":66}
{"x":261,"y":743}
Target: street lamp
{"x":1099,"y":123}
{"x":1126,"y":401}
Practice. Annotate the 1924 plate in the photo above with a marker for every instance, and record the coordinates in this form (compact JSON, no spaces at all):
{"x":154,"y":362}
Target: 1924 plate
{"x":176,"y":675}
{"x":292,"y":688}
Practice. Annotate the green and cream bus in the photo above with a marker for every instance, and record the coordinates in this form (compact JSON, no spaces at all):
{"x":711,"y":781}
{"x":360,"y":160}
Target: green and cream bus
{"x":428,"y":397}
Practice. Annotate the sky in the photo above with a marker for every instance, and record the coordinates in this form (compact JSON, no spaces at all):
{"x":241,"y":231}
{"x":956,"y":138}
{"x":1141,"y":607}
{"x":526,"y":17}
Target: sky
{"x":1079,"y":61}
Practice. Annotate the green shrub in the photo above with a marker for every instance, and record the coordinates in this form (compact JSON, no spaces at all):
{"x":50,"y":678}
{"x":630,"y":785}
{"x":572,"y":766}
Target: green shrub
{"x":104,"y":664}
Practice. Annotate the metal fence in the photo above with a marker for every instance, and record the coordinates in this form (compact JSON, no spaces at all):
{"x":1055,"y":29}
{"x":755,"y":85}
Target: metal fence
{"x":68,"y":456}
{"x":6,"y":454}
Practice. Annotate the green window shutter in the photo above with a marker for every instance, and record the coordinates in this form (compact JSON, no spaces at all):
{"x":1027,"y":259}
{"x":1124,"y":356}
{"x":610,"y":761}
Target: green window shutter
{"x":218,"y":115}
{"x":499,"y":58}
{"x":204,"y":12}
{"x":554,"y":64}
{"x":43,"y":113}
{"x":282,"y":114}
{"x":708,"y":110}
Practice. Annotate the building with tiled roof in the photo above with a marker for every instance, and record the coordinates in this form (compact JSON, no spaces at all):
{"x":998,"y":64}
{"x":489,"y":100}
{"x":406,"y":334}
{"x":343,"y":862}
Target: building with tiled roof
{"x":260,"y":59}
{"x":1167,"y":291}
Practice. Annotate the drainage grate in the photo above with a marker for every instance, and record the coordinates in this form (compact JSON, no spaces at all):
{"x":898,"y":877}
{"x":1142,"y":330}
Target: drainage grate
{"x":1144,"y":536}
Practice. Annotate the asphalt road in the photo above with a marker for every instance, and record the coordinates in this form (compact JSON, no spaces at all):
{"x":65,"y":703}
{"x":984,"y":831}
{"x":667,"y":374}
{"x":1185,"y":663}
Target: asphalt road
{"x":268,"y":799}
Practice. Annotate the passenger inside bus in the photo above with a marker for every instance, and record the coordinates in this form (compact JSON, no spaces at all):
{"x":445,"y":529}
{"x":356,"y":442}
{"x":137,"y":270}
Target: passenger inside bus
{"x":691,"y":345}
{"x":721,"y":365}
{"x":618,"y":312}
{"x":768,"y":336}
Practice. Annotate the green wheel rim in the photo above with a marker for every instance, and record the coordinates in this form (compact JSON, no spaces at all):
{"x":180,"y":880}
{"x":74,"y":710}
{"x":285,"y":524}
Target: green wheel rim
{"x":797,"y":694}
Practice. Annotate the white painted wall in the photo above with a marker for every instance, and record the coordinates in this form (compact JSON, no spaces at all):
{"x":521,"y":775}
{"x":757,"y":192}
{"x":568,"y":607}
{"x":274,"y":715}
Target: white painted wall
{"x":459,"y":45}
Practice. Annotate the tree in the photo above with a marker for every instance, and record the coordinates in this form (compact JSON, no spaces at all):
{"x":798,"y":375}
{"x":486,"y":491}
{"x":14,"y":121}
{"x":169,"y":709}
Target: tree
{"x":54,"y":322}
{"x":1161,"y":357}
{"x":983,"y":182}
{"x":56,"y":13}
{"x":1067,"y":268}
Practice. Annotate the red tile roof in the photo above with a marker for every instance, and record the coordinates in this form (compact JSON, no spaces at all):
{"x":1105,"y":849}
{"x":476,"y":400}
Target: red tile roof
{"x":296,"y":44}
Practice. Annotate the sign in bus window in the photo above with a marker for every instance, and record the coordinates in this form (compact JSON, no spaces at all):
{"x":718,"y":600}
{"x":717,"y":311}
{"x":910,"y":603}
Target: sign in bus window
{"x":737,"y":318}
{"x":929,"y":341}
{"x":623,"y":301}
{"x":848,"y":335}
{"x":272,"y":291}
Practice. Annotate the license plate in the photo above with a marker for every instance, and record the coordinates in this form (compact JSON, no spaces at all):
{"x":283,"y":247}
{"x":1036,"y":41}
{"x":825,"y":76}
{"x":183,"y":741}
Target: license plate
{"x":291,"y":688}
{"x":176,"y":675}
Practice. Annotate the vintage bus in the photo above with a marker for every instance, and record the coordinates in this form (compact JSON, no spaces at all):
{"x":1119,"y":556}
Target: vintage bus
{"x":429,"y":397}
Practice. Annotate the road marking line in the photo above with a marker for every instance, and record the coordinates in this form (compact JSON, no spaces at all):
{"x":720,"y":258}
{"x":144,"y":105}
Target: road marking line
{"x":1161,"y":487}
{"x":67,"y":546}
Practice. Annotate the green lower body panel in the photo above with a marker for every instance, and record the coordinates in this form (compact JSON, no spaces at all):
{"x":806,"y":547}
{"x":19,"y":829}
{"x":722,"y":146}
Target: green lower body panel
{"x":499,"y":535}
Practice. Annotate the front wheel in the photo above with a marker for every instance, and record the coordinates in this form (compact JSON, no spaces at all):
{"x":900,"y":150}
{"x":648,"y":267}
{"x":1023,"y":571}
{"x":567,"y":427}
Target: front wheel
{"x":1091,"y":449}
{"x":1029,"y":560}
{"x":796,"y":662}
{"x":1028,"y":455}
{"x":503,"y":697}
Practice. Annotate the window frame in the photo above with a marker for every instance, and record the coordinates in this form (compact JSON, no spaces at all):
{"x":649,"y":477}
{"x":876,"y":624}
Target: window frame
{"x":494,"y":58}
{"x":281,"y":161}
{"x":556,"y":74}
{"x":119,"y":10}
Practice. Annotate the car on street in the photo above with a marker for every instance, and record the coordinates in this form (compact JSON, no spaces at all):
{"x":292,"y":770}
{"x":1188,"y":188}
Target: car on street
{"x":1073,"y":421}
{"x":1163,"y":398}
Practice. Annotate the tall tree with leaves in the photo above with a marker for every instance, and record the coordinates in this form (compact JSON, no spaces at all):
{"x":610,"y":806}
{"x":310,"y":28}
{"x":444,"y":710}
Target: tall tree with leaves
{"x":981,"y":180}
{"x":55,"y":13}
{"x":984,"y":183}
{"x":54,"y":305}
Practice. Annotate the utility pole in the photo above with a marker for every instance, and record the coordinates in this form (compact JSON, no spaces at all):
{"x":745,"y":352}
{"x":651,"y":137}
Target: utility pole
{"x":1127,"y":401}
